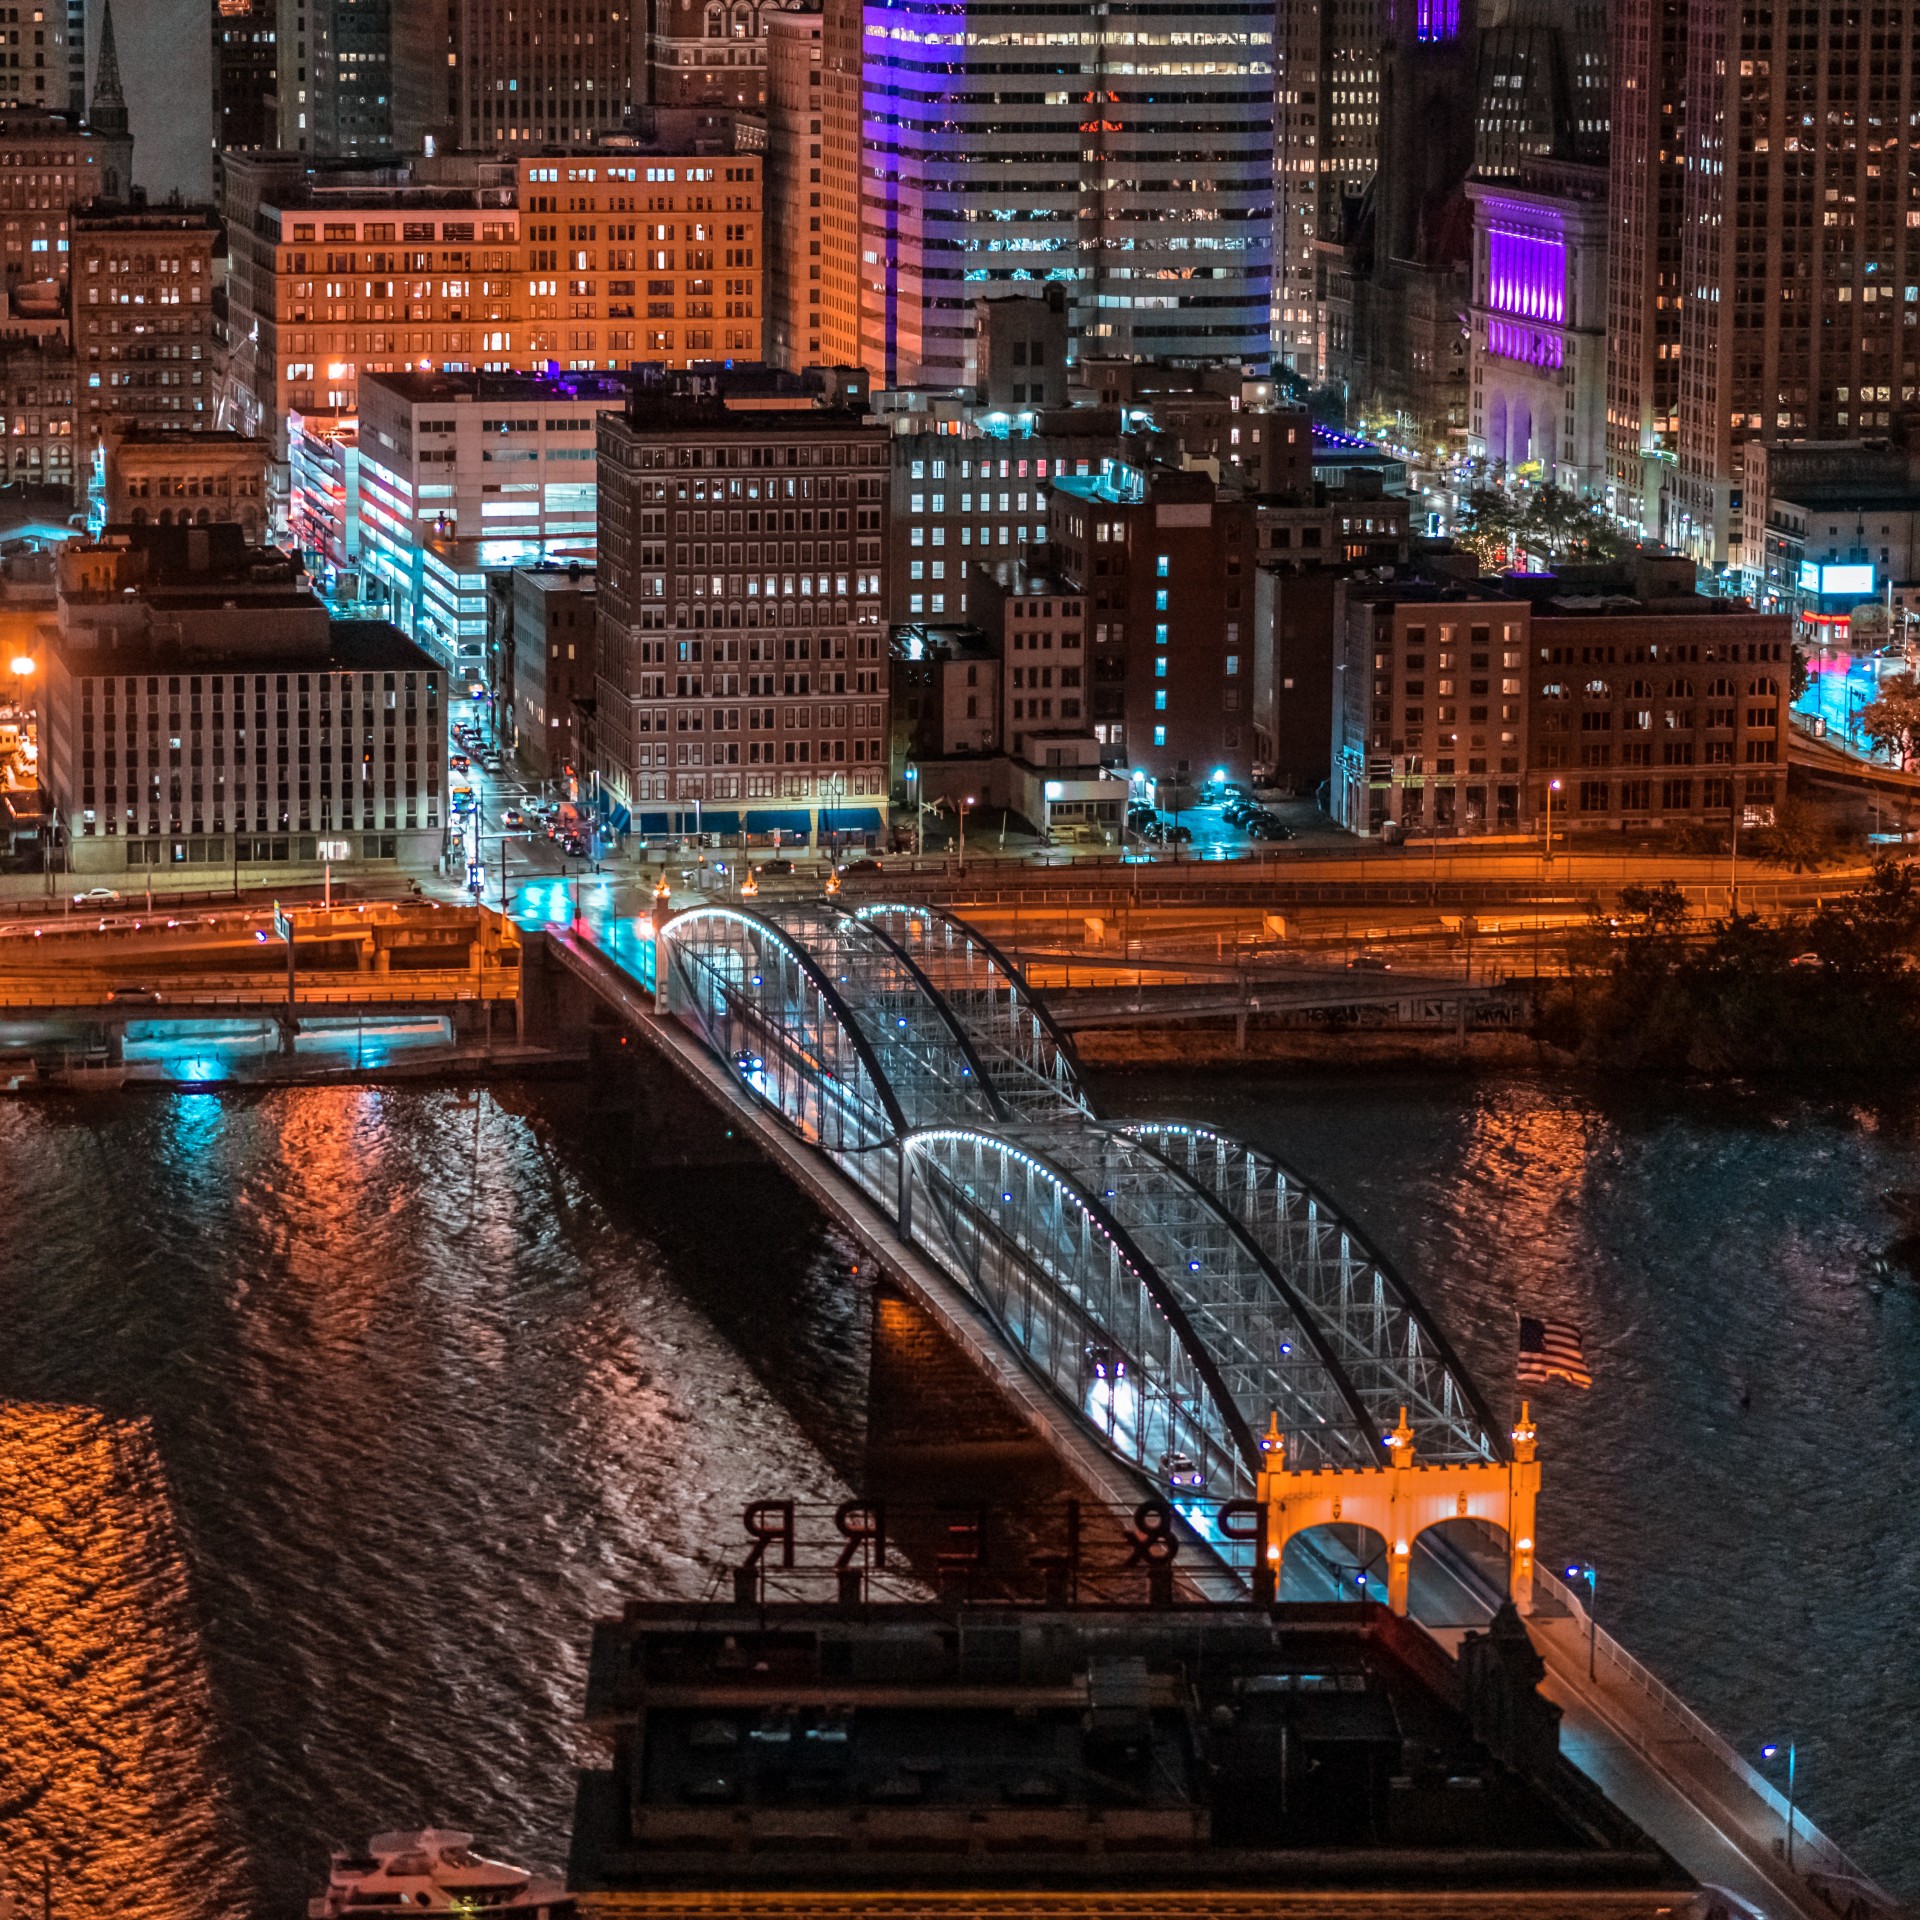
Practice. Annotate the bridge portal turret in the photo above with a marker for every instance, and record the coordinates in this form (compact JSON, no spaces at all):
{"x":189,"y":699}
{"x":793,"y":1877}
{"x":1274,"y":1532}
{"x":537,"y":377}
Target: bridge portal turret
{"x":1401,"y":1498}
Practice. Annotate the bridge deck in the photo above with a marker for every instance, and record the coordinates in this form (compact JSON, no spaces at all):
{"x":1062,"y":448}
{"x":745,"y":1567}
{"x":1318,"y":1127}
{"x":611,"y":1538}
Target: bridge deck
{"x":1654,"y":1758}
{"x":1100,"y":1477}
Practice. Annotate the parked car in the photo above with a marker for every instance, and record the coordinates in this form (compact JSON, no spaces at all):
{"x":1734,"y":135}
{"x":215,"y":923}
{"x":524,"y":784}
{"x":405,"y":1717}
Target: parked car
{"x":95,"y":897}
{"x":1268,"y":830}
{"x":862,"y":866}
{"x":781,"y":866}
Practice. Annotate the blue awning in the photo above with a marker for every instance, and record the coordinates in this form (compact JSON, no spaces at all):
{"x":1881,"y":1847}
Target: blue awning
{"x":656,"y":823}
{"x":719,"y":820}
{"x":850,"y":819}
{"x":778,"y":820}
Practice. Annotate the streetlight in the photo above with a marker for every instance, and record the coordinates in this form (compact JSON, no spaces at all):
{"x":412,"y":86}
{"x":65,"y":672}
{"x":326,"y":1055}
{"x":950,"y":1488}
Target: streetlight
{"x":1768,"y":1752}
{"x":913,"y":800}
{"x":966,"y":806}
{"x":1585,"y":1570}
{"x":1546,"y":857}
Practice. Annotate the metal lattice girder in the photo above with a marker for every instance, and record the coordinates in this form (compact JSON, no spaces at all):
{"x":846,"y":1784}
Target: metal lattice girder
{"x":1074,"y":1296}
{"x":923,"y":1049}
{"x":1029,"y":1057}
{"x":755,"y":994}
{"x":1152,"y":1273}
{"x":1172,"y":1286}
{"x":1379,"y":1335}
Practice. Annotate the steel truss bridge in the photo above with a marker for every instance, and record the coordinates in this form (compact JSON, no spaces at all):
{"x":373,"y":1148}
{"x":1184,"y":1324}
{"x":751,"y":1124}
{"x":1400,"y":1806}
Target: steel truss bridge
{"x":1176,"y":1289}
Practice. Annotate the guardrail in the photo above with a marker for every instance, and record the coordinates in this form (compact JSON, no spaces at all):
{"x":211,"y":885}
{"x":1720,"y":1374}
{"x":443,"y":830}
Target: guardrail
{"x":366,"y":990}
{"x":1815,"y":1856}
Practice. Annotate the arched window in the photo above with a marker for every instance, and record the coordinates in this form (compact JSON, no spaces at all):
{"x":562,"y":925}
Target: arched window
{"x":715,"y":30}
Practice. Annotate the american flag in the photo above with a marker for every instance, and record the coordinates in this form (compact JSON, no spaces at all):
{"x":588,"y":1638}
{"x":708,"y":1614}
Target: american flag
{"x":1550,"y":1350}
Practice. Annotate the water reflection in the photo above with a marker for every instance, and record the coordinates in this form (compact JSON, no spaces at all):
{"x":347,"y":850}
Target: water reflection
{"x":430,"y":1400}
{"x":110,"y":1779}
{"x":1757,"y":1386}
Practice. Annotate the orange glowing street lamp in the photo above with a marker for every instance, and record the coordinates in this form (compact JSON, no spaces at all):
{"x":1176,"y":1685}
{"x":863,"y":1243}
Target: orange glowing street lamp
{"x":23,"y":666}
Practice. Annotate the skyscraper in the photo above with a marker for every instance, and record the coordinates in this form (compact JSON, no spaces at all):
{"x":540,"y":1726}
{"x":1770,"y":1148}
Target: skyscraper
{"x":705,"y":476}
{"x":245,"y":109}
{"x":795,"y":226}
{"x":543,"y":70}
{"x":1800,"y":252}
{"x":76,"y":88}
{"x":1645,"y":190}
{"x":358,"y":78}
{"x":707,"y":53}
{"x":1125,"y":153}
{"x":1326,"y":151}
{"x":33,"y":59}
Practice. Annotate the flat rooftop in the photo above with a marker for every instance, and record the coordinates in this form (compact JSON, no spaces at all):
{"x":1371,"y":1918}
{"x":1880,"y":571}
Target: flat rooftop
{"x":506,"y":388}
{"x":350,"y":646}
{"x":1070,"y":1750}
{"x":1830,"y":499}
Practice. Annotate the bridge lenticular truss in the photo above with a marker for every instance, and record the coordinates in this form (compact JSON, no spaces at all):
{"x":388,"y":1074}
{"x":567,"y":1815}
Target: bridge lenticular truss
{"x":1177,"y":1289}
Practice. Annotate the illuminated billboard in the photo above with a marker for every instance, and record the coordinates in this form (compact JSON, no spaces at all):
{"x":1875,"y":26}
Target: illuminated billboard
{"x":1836,"y":580}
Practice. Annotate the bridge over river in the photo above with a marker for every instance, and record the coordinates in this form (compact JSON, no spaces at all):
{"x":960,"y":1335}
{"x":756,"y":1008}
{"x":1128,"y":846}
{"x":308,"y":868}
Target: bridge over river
{"x":1160,"y":1300}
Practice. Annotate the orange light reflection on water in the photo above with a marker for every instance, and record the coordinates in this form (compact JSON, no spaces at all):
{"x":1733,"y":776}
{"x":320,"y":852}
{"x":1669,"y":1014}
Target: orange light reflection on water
{"x":108,"y":1767}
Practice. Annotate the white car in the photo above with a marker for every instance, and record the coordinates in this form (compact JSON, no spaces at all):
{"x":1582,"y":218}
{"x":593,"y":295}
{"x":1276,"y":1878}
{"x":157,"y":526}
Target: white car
{"x":95,"y":897}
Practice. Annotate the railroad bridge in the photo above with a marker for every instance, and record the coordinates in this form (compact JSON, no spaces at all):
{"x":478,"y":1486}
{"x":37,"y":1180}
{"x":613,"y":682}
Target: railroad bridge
{"x":1206,"y":1316}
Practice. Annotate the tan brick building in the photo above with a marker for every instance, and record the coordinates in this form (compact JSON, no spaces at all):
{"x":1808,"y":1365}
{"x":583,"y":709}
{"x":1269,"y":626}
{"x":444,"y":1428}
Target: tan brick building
{"x":143,"y":329}
{"x":167,"y":477}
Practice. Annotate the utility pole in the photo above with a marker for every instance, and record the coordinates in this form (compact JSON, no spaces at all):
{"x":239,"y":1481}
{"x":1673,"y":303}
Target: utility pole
{"x":283,"y":926}
{"x":1733,"y":857}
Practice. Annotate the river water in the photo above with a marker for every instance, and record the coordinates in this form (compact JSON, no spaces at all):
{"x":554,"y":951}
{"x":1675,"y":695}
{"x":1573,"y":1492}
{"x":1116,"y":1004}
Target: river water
{"x":331,"y":1418}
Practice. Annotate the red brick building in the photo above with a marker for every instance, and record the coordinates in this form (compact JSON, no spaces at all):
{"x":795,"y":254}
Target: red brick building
{"x":1164,"y":563}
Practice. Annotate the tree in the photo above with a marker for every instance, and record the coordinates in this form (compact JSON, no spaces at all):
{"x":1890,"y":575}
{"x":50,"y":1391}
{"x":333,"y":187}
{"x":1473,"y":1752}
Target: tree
{"x":1497,"y":527}
{"x":1489,"y":525}
{"x":1798,"y":838}
{"x":1892,"y":722}
{"x":1654,"y":910}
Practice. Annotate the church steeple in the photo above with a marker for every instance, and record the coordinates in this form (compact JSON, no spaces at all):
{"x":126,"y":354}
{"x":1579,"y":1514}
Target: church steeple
{"x":108,"y":112}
